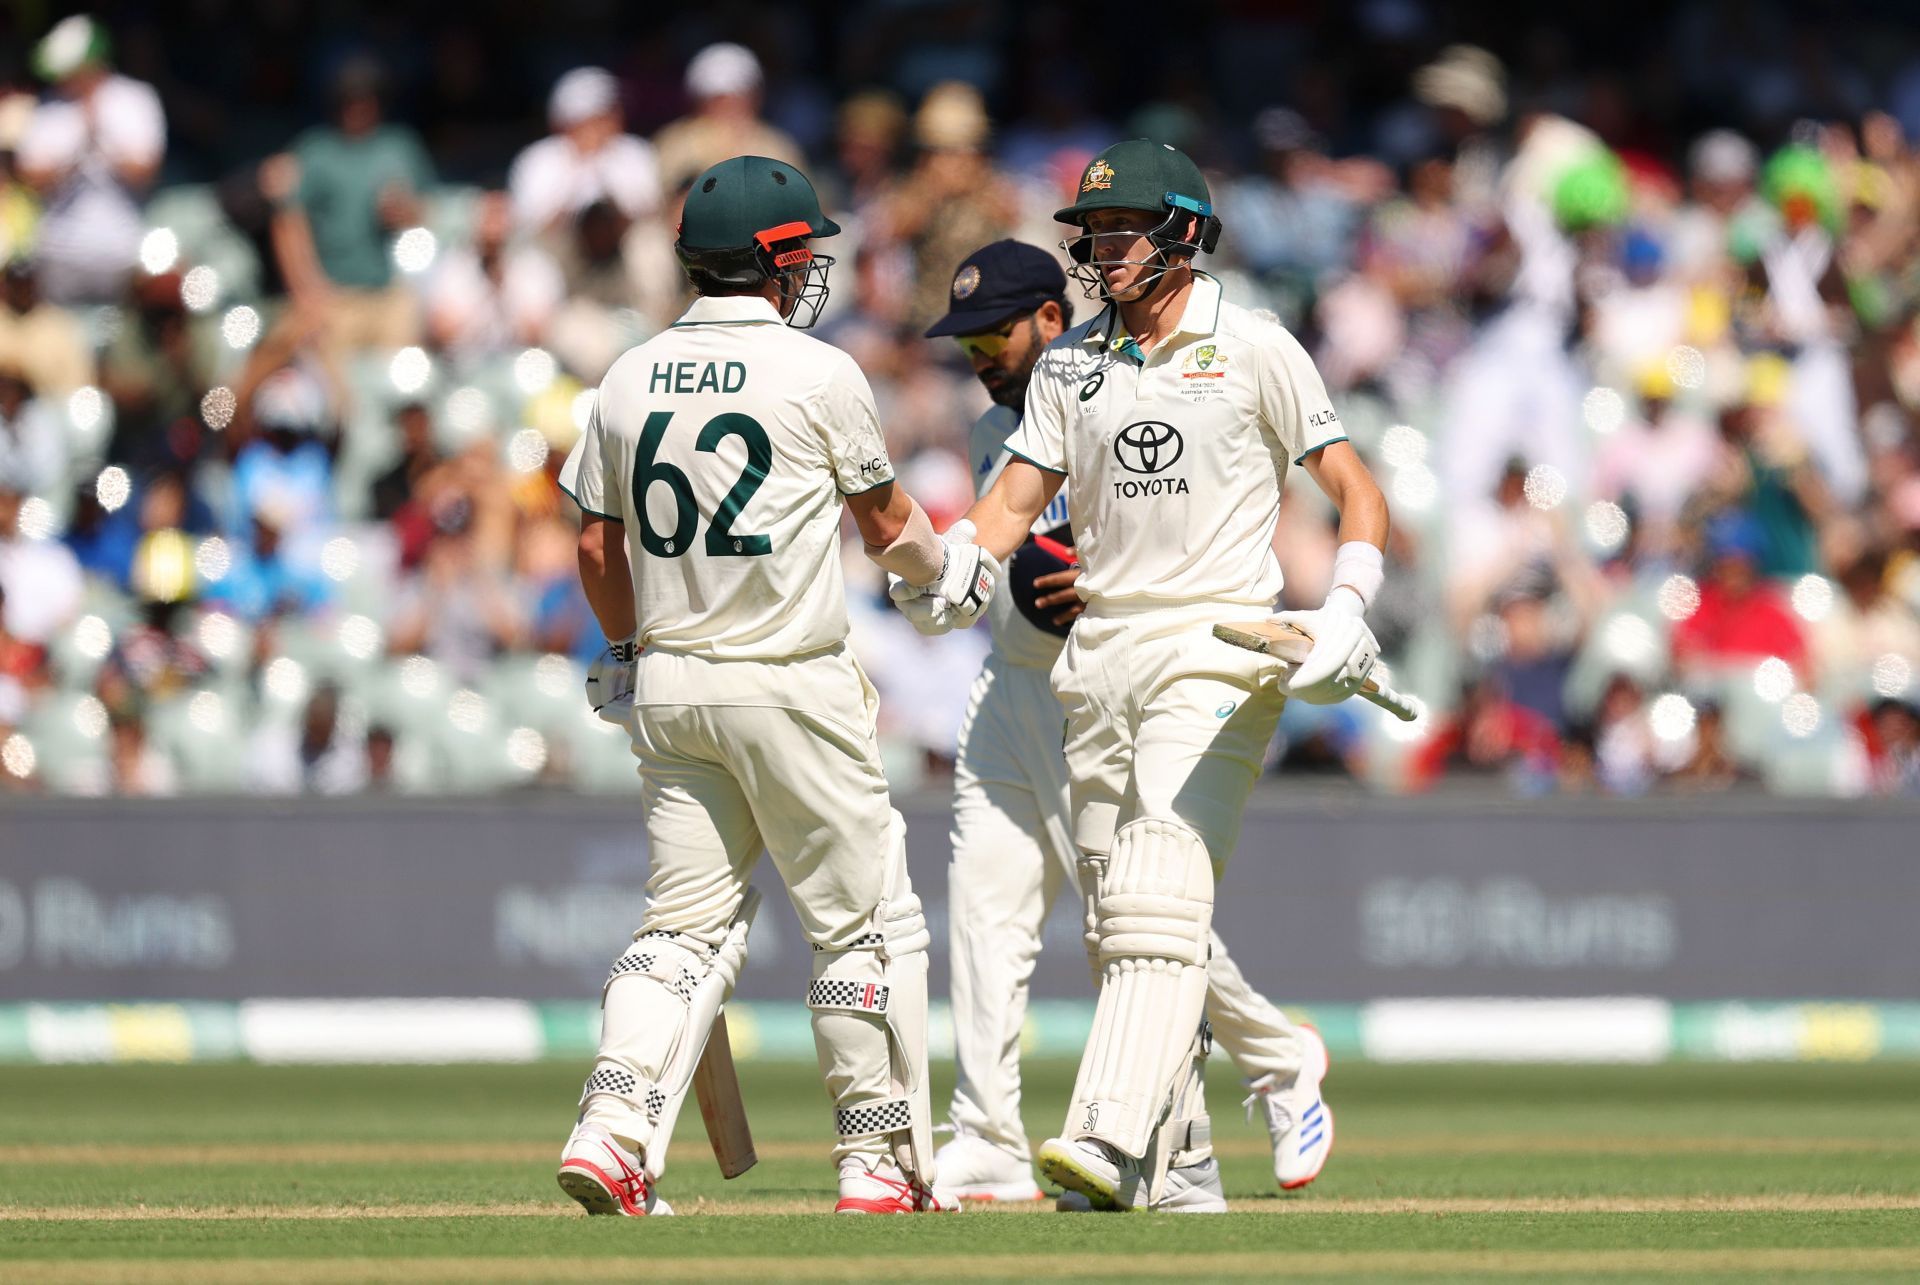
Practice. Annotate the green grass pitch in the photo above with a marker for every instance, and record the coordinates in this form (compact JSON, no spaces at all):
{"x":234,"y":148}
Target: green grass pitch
{"x":237,"y":1172}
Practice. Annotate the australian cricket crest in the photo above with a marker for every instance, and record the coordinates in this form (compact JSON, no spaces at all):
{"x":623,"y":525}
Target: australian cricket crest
{"x":1203,"y":372}
{"x":1099,"y":177}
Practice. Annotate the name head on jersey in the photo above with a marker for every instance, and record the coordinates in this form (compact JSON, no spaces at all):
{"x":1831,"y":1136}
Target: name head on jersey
{"x":746,"y":223}
{"x":1141,"y":175}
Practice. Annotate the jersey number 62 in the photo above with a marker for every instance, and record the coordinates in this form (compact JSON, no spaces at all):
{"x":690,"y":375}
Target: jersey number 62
{"x":722,"y":541}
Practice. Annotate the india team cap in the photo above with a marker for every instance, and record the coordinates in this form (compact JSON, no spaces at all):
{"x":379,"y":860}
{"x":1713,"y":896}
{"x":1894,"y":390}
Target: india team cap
{"x":996,"y":283}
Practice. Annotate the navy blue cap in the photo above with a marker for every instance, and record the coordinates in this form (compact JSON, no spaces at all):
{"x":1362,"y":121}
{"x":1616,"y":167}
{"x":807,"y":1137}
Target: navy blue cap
{"x":998,"y":282}
{"x":1040,"y":555}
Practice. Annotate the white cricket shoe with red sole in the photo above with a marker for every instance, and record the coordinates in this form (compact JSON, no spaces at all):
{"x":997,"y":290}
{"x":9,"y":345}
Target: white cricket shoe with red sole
{"x":1299,"y":1122}
{"x":971,"y":1168}
{"x":605,"y":1177}
{"x":885,"y":1190}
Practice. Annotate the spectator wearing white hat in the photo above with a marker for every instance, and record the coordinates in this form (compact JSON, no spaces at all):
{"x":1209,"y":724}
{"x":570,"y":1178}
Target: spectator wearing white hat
{"x":724,"y":82}
{"x":587,"y":158}
{"x":91,"y":151}
{"x":1722,"y":167}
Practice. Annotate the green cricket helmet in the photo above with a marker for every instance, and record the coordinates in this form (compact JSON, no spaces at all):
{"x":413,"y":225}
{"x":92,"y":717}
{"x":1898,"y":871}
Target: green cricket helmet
{"x":747,"y":221}
{"x":1140,"y":174}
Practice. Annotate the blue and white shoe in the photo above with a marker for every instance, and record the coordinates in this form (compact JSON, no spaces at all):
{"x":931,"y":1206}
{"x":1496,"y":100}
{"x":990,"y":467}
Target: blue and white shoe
{"x":1299,"y":1122}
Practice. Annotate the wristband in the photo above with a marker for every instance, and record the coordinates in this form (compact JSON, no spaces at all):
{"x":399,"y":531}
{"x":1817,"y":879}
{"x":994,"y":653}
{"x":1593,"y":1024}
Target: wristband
{"x":1361,"y":568}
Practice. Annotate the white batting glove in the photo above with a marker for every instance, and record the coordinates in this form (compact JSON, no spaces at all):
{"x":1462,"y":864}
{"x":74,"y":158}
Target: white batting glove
{"x":610,"y":681}
{"x":1344,"y":650}
{"x":967,"y":577}
{"x":925,"y":610}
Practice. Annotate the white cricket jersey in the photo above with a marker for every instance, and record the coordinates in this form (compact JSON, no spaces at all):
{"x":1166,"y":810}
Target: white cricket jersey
{"x":1014,"y":636}
{"x":1176,"y":460}
{"x":726,"y":444}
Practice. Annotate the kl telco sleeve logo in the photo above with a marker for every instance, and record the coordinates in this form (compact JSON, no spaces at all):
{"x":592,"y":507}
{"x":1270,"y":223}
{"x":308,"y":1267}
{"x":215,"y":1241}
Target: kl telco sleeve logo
{"x":1148,"y":447}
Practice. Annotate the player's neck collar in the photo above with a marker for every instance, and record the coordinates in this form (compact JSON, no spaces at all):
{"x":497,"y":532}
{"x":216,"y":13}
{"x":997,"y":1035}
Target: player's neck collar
{"x":1200,"y":315}
{"x":729,"y":310}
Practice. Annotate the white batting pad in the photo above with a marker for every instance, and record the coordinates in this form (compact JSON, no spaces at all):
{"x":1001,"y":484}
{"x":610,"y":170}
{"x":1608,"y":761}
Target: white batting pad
{"x":870,"y":1027}
{"x":1153,"y":916}
{"x":658,"y":1008}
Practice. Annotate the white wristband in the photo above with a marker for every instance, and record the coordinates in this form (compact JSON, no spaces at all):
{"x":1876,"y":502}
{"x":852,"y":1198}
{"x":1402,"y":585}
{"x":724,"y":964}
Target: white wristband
{"x":1361,"y":567}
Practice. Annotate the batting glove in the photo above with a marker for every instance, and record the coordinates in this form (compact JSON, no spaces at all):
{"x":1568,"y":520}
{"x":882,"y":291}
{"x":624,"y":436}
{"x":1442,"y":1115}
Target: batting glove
{"x":925,"y":610}
{"x":1344,"y":650}
{"x":610,"y":681}
{"x":967,"y":576}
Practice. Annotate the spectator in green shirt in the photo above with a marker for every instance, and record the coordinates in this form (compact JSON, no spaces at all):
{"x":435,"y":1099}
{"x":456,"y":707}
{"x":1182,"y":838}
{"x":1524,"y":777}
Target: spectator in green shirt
{"x":360,"y":184}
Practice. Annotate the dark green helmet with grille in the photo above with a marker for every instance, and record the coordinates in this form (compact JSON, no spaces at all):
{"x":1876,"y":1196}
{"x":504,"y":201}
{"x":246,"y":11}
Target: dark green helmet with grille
{"x":1140,"y":174}
{"x":746,"y":222}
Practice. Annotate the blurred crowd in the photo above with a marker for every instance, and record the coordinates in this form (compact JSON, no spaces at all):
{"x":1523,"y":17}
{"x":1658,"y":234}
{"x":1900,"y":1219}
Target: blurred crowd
{"x":278,"y":441}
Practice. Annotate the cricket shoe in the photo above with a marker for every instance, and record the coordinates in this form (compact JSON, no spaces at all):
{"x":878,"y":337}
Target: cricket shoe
{"x":971,"y":1168}
{"x":867,"y":1187}
{"x":1299,"y":1122}
{"x":1103,"y":1179}
{"x":605,"y":1177}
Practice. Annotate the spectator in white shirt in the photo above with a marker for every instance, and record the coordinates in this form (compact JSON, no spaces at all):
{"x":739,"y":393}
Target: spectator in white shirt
{"x":33,"y":451}
{"x":491,"y":296}
{"x":587,"y":158}
{"x":91,"y":150}
{"x":40,"y":580}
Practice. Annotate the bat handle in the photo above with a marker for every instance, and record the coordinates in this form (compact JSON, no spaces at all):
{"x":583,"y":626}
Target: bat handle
{"x":1389,"y":700}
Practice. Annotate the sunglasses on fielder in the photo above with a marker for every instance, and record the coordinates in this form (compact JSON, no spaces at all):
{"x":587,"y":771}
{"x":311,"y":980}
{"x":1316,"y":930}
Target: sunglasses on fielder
{"x":993,"y":342}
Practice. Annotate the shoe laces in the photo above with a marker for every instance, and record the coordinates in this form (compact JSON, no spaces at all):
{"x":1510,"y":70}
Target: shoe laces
{"x":1263,"y":1097}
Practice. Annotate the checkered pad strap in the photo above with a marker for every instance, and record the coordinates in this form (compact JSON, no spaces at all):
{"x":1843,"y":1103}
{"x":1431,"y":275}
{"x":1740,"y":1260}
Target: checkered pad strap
{"x":872,"y":941}
{"x":625,"y":1084}
{"x":667,"y":967}
{"x":874,"y":1119}
{"x":842,"y":995}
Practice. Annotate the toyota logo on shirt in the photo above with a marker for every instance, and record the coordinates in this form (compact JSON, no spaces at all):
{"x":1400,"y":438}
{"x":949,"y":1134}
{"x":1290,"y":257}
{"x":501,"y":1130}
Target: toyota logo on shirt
{"x":1148,"y":447}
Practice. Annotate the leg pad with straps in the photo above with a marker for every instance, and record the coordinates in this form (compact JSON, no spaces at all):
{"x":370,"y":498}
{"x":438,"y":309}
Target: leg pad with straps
{"x":659,"y":1004}
{"x":869,"y":1005}
{"x":1153,"y":917}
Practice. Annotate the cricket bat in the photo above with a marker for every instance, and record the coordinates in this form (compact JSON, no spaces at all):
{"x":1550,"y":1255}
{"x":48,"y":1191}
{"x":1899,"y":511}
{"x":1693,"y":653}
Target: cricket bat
{"x":1291,"y":644}
{"x":717,"y":1085}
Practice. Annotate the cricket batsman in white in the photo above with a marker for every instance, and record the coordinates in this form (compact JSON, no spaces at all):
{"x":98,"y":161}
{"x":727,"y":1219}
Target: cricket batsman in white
{"x":1177,"y":416}
{"x":711,"y":478}
{"x":1013,"y":831}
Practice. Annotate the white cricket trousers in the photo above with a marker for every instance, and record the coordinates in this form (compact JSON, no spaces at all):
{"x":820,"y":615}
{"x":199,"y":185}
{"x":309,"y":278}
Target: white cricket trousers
{"x":1012,"y":853}
{"x":738,"y":755}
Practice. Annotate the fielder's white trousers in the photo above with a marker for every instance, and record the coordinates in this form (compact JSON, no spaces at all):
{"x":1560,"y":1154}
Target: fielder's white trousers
{"x":1013,"y":852}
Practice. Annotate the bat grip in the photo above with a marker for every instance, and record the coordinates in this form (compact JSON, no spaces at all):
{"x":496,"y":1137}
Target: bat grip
{"x":1389,"y":700}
